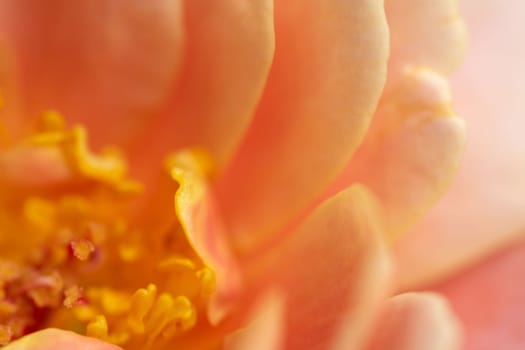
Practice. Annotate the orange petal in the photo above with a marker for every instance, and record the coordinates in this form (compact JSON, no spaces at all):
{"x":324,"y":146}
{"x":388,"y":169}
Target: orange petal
{"x":425,"y":33}
{"x":333,"y":271}
{"x":107,"y":64}
{"x":266,"y":329}
{"x":7,"y":91}
{"x":416,"y":321}
{"x":228,"y":55}
{"x":54,"y":339}
{"x":327,"y":75}
{"x":55,"y":157}
{"x":412,"y":151}
{"x":485,"y":209}
{"x":197,"y":214}
{"x":488,"y":300}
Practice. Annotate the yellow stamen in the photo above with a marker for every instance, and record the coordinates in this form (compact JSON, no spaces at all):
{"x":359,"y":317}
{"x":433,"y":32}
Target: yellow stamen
{"x":72,"y":295}
{"x":82,"y":249}
{"x":141,"y":303}
{"x":208,"y":282}
{"x":79,"y":257}
{"x":183,"y":317}
{"x":177,"y":262}
{"x":98,"y":328}
{"x":84,"y":313}
{"x":114,"y":303}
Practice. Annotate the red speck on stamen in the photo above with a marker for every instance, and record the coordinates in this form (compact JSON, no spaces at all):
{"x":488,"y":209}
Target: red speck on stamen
{"x":81,"y":249}
{"x":74,"y":296}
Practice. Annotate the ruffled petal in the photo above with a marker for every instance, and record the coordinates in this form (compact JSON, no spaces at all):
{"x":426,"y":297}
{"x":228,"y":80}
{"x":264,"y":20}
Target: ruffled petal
{"x":54,"y":339}
{"x":416,"y":321}
{"x":485,"y":209}
{"x":425,"y":33}
{"x":488,"y":300}
{"x":412,"y":150}
{"x":333,"y":271}
{"x":328,"y":72}
{"x":107,"y":64}
{"x":228,"y":55}
{"x":197,"y":214}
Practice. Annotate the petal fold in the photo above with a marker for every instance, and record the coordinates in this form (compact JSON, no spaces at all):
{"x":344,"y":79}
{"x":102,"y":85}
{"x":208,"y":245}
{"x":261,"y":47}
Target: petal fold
{"x":196,"y":211}
{"x":412,"y":151}
{"x":229,"y":51}
{"x":106,"y":64}
{"x":328,"y":72}
{"x":333,"y":271}
{"x":484,"y":210}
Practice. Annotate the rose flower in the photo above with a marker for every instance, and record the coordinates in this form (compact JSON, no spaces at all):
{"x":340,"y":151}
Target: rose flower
{"x":222,"y":174}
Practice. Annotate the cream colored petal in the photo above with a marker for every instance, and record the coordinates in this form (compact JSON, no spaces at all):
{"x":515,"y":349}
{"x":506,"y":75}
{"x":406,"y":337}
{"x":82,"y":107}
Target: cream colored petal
{"x":485,"y":208}
{"x":412,"y":151}
{"x":425,"y":33}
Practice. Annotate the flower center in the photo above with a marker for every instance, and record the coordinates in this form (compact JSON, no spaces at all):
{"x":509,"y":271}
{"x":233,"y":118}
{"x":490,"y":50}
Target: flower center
{"x":75,"y":255}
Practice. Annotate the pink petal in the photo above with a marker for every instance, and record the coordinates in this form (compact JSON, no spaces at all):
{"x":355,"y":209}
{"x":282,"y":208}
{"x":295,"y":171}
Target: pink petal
{"x":485,"y":209}
{"x":228,"y":55}
{"x":266,"y":329}
{"x":333,"y":271}
{"x":412,"y":151}
{"x":107,"y":64}
{"x":197,"y":214}
{"x":327,"y":75}
{"x":54,"y":339}
{"x":425,"y":33}
{"x":416,"y":321}
{"x":8,"y":89}
{"x":490,"y":301}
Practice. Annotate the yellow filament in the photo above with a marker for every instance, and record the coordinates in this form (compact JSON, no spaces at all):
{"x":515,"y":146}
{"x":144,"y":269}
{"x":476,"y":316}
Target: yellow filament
{"x":98,"y":328}
{"x":141,"y":302}
{"x":114,"y":303}
{"x":177,"y":262}
{"x":84,"y":313}
{"x":207,"y":279}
